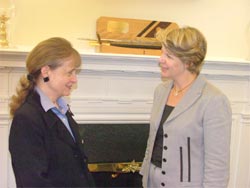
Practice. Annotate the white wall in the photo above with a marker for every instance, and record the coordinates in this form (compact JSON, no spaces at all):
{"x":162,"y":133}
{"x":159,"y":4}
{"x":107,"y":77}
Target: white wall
{"x":224,"y":22}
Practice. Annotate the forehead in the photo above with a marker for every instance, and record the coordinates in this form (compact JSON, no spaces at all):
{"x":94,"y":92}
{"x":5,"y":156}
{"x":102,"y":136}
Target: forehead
{"x":69,"y":63}
{"x":165,"y":50}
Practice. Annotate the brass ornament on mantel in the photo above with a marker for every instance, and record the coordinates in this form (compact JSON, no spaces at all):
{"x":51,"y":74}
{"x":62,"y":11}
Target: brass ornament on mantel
{"x":3,"y":31}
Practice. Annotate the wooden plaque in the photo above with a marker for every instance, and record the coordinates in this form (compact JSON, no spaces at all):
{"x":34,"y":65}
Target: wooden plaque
{"x":130,"y":36}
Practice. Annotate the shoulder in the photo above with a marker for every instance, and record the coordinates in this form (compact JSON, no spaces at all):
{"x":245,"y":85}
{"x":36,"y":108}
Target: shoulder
{"x":26,"y":110}
{"x":213,"y":92}
{"x":214,"y":97}
{"x":29,"y":108}
{"x":207,"y":89}
{"x":29,"y":113}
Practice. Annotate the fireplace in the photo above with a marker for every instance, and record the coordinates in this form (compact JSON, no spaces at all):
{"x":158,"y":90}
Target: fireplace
{"x":115,"y":152}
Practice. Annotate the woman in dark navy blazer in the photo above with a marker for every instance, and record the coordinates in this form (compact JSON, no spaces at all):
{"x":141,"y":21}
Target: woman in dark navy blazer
{"x":190,"y":125}
{"x":44,"y":141}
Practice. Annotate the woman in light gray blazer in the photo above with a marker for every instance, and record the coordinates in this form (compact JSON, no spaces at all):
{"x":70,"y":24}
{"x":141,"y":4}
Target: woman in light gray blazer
{"x":190,"y":126}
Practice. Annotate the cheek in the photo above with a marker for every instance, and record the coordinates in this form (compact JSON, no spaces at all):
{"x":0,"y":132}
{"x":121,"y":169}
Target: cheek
{"x":59,"y":82}
{"x":179,"y":66}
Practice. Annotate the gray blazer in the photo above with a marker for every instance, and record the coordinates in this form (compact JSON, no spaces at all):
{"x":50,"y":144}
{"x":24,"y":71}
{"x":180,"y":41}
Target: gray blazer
{"x":196,"y":137}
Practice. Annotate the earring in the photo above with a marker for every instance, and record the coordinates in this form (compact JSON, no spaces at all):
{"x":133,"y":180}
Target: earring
{"x":46,"y":79}
{"x":30,"y":77}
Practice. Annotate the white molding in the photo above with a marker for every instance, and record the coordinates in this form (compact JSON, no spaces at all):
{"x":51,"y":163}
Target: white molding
{"x":100,"y":62}
{"x":93,"y":110}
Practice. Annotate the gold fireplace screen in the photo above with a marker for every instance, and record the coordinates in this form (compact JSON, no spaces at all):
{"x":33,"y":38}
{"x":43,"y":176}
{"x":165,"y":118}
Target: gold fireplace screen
{"x":127,"y":167}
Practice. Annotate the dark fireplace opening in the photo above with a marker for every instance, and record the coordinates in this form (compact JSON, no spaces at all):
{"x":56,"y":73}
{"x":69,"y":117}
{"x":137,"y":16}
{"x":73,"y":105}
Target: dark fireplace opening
{"x":115,"y":152}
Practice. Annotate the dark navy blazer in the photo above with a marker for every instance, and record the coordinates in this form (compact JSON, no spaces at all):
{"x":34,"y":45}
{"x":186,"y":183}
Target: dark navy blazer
{"x":43,"y":152}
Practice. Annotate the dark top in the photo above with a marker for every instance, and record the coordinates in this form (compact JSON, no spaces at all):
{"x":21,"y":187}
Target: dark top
{"x":43,"y":152}
{"x":158,"y":145}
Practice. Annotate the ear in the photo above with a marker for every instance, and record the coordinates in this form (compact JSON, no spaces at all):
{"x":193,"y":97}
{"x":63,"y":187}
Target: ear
{"x":189,"y":64}
{"x":44,"y":71}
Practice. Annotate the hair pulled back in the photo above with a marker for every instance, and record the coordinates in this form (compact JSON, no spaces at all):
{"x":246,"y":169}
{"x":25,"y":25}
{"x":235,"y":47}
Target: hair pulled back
{"x":50,"y":53}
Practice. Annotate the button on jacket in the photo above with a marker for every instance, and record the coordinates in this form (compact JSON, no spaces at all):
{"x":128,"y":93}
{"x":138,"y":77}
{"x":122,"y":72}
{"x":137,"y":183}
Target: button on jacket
{"x":43,"y":152}
{"x":196,"y":142}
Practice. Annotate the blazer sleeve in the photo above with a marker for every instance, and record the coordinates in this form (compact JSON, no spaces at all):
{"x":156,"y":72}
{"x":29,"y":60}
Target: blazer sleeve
{"x":28,"y":152}
{"x":217,"y":134}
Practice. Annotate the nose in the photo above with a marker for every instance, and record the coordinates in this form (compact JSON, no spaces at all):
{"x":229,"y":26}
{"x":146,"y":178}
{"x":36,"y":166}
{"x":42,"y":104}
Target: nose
{"x":74,"y":78}
{"x":162,"y":59}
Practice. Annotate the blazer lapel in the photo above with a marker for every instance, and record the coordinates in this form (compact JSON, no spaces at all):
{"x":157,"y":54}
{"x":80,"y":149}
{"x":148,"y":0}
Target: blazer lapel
{"x":54,"y":124}
{"x":161,"y":102}
{"x":58,"y":128}
{"x":189,"y":99}
{"x":74,"y":127}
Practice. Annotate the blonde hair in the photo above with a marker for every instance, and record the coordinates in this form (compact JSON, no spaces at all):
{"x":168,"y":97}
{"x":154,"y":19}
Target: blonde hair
{"x":189,"y":45}
{"x":50,"y":52}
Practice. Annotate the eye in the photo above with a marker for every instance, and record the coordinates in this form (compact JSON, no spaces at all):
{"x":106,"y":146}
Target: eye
{"x":78,"y":71}
{"x":72,"y":72}
{"x":75,"y":71}
{"x":169,"y":56}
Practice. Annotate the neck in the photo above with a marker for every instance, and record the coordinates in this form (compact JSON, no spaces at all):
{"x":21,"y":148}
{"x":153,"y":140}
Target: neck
{"x":180,"y":87}
{"x":50,"y":94}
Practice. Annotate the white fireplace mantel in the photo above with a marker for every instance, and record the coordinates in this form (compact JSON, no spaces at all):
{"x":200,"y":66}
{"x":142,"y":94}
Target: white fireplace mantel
{"x":115,"y":88}
{"x":132,"y":63}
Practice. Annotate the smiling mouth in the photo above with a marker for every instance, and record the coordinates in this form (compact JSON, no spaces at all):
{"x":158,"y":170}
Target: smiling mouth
{"x":69,"y":87}
{"x":164,"y":68}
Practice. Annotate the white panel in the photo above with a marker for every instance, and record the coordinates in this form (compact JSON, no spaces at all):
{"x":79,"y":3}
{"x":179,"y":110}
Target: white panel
{"x":3,"y":105}
{"x":132,"y":87}
{"x":236,"y":90}
{"x":4,"y":82}
{"x":235,"y":145}
{"x":3,"y":155}
{"x":243,"y":170}
{"x":11,"y":177}
{"x":90,"y":86}
{"x":14,"y":78}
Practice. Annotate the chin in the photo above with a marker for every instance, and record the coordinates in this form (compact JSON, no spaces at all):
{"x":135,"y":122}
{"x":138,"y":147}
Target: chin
{"x":164,"y":75}
{"x":66,"y":93}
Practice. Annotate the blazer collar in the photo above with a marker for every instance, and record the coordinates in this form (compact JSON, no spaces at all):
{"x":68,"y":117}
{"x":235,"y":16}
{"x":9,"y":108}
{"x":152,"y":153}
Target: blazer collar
{"x":192,"y":95}
{"x":53,"y":123}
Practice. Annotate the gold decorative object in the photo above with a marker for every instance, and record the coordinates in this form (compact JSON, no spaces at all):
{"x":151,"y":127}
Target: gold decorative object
{"x":3,"y":31}
{"x":116,"y":168}
{"x":7,"y":12}
{"x":126,"y":167}
{"x":131,"y":167}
